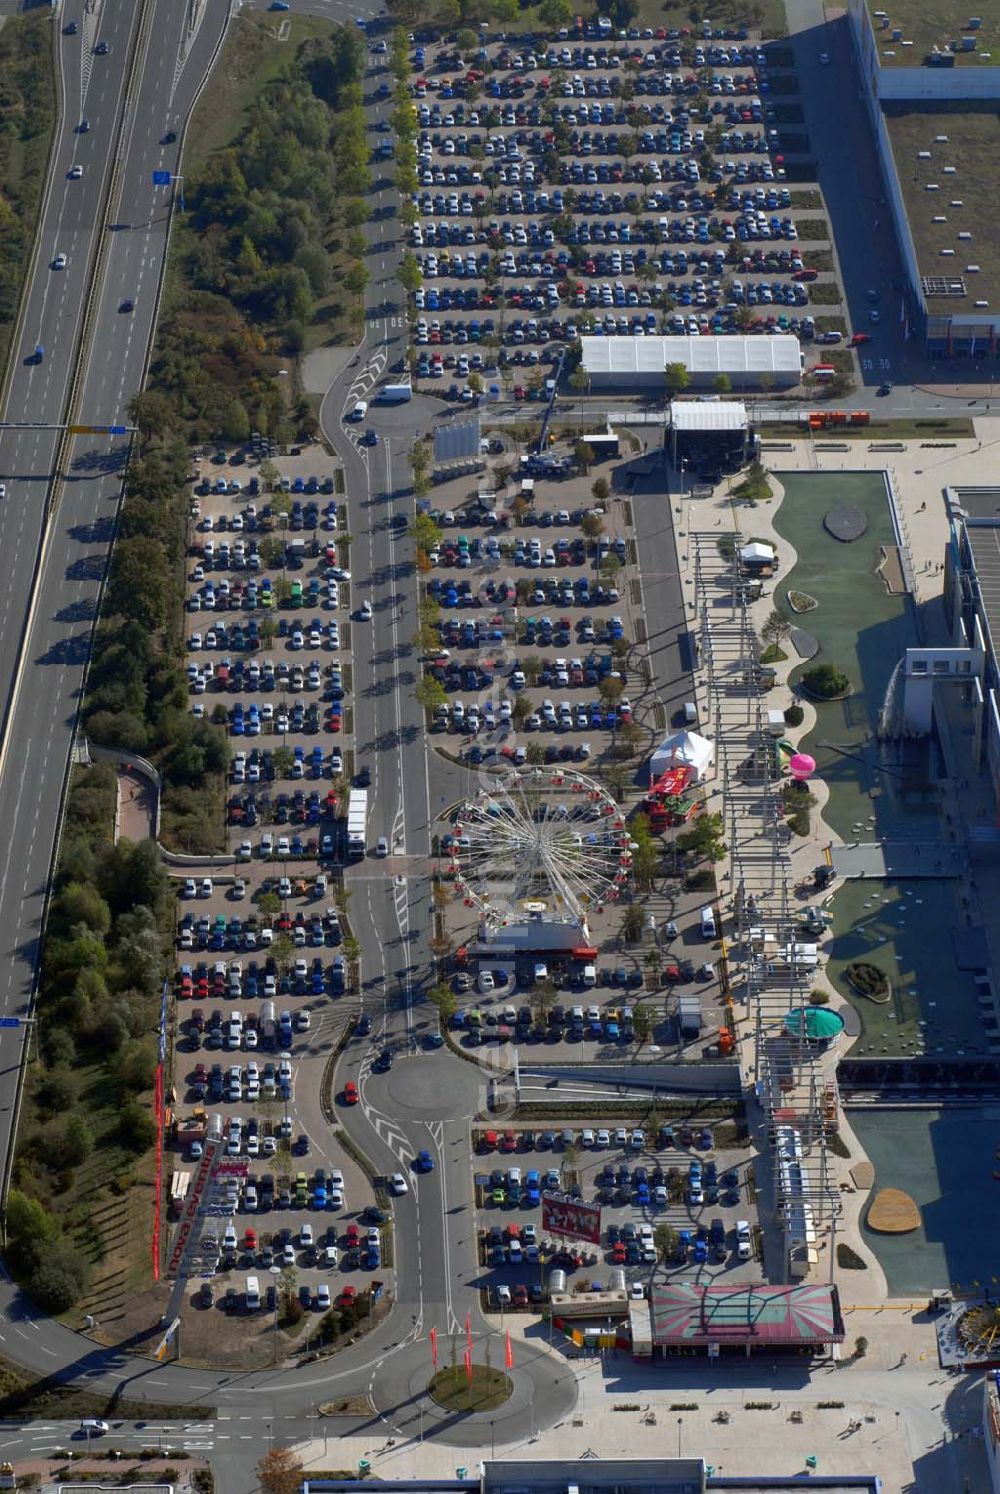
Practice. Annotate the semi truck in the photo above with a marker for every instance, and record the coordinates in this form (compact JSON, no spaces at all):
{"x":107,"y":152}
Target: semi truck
{"x":357,"y":821}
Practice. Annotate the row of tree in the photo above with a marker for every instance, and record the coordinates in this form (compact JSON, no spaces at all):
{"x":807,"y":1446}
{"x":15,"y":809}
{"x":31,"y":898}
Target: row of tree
{"x":263,"y":218}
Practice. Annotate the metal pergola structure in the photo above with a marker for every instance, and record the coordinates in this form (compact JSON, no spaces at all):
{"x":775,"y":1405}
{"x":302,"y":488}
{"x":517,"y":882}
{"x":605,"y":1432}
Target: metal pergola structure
{"x":793,"y":1081}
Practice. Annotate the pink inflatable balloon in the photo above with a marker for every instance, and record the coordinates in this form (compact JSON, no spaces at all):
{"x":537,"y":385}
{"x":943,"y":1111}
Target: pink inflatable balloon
{"x":802,"y":766}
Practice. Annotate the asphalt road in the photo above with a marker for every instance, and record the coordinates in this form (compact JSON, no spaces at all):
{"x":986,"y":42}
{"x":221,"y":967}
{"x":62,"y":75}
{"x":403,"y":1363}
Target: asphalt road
{"x":75,"y":542}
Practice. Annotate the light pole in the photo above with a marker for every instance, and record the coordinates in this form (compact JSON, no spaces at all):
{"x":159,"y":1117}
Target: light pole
{"x":275,"y":1272}
{"x":680,"y":1423}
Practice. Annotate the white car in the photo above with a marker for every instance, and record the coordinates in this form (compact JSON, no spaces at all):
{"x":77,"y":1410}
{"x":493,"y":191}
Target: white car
{"x":75,"y":173}
{"x":359,"y":411}
{"x":744,"y":1241}
{"x":365,"y":611}
{"x":397,"y":1184}
{"x":60,"y":262}
{"x":382,"y":846}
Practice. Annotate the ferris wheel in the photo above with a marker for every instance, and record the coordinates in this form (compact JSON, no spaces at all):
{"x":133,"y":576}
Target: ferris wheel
{"x":540,"y":841}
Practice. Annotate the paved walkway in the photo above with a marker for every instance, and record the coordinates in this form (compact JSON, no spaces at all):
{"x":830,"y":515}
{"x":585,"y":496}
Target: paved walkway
{"x":898,"y":1416}
{"x":136,"y":816}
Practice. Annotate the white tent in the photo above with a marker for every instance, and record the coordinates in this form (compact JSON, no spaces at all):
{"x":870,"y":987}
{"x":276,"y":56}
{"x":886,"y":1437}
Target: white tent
{"x":757,"y":554}
{"x":685,"y":747}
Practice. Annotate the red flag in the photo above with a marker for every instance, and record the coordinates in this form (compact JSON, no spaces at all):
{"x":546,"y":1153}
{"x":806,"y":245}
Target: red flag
{"x":468,"y":1365}
{"x":509,"y":1353}
{"x":434,"y":1347}
{"x":468,"y":1332}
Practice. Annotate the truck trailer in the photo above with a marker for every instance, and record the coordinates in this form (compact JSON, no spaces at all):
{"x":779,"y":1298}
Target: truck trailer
{"x":357,"y":823}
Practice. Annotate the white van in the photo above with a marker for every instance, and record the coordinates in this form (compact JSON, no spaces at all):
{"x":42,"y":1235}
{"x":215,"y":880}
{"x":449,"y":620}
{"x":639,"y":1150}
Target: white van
{"x":708,"y":926}
{"x":590,"y":975}
{"x":253,"y":1294}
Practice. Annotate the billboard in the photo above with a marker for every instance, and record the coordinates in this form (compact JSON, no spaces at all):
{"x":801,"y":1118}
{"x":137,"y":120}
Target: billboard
{"x":568,"y":1216}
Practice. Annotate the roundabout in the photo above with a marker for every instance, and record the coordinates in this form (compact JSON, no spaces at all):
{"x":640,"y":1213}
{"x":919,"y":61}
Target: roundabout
{"x":537,"y":1389}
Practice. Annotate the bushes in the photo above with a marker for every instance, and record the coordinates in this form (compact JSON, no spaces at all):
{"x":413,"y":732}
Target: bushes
{"x":825,"y":681}
{"x":794,"y":715}
{"x":27,"y":99}
{"x":254,"y":250}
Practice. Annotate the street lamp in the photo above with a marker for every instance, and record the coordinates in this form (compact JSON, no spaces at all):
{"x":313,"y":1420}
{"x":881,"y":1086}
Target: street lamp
{"x":680,"y":1423}
{"x":275,"y":1272}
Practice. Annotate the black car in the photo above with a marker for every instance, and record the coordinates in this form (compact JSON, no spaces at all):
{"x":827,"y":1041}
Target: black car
{"x":127,"y":305}
{"x":363,"y":778}
{"x":102,"y":49}
{"x":383,"y":1062}
{"x":70,"y":28}
{"x":169,"y":137}
{"x":301,"y":1147}
{"x":364,"y":1025}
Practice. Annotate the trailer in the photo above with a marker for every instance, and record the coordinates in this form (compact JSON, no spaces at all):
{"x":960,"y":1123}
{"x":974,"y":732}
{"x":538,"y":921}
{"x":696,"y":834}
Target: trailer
{"x":357,"y":823}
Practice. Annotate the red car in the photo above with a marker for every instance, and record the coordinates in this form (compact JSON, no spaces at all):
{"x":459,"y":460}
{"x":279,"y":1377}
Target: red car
{"x":250,"y":1240}
{"x":520,"y":1295}
{"x":618,"y":1253}
{"x":347,"y":1297}
{"x":508,"y":1142}
{"x":353,"y":1237}
{"x":350,"y":1094}
{"x":859,"y":338}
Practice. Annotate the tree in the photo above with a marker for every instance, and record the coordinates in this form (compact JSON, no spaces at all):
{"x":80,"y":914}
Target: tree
{"x":600,"y":490}
{"x":136,"y":1127}
{"x":667,"y":1240}
{"x":58,"y":1278}
{"x":722,"y":383}
{"x":280,"y":1471}
{"x":443,"y":997}
{"x":592,"y":526}
{"x":677,"y":378}
{"x":152,"y":412}
{"x":583,"y":455}
{"x":642,"y":1024}
{"x":632,"y":923}
{"x":610,"y":689}
{"x":826,"y":681}
{"x":776,"y":628}
{"x":555,"y":13}
{"x":704,"y":838}
{"x":430,"y":693}
{"x":29,"y":1229}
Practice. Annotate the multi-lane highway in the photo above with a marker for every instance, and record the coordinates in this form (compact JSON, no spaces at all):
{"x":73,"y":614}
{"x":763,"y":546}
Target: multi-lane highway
{"x":55,"y":534}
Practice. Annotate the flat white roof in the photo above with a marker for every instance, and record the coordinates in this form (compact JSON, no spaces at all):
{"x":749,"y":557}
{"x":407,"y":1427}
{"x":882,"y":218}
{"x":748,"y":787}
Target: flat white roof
{"x":708,"y":415}
{"x":700,"y":355}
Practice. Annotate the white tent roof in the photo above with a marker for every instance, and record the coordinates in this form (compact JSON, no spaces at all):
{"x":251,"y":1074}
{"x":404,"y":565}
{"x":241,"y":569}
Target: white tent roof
{"x":683,"y":747}
{"x":708,"y":415}
{"x":731,"y":354}
{"x":757,"y":551}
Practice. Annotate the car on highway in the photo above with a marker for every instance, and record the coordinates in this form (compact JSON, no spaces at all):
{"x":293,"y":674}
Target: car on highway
{"x":351,"y":1093}
{"x":365,"y":611}
{"x":885,"y":388}
{"x":127,"y":305}
{"x":75,"y":173}
{"x":423,"y":1162}
{"x":92,"y":1426}
{"x":102,"y":49}
{"x":60,"y":262}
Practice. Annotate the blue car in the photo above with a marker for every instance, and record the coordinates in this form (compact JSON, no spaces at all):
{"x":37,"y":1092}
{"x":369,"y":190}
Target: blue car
{"x":423,"y":1162}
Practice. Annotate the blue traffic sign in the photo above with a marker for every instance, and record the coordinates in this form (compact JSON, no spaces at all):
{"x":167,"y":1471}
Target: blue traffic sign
{"x":117,"y":430}
{"x":10,"y":1021}
{"x":162,"y":178}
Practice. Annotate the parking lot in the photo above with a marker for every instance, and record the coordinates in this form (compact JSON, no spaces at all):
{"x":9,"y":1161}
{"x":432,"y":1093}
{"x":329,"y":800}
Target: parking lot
{"x":615,"y":187}
{"x":671,"y":1201}
{"x":265,"y":988}
{"x":537,"y":601}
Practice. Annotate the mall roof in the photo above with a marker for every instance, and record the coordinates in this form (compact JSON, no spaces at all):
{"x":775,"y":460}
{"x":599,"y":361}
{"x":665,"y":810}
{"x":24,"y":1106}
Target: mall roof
{"x":708,"y":415}
{"x":700,"y":355}
{"x":771,"y":1316}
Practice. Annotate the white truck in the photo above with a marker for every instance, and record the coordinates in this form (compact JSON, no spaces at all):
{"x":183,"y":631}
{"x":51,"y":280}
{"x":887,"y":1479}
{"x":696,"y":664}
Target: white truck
{"x":357,"y":822}
{"x":395,"y":394}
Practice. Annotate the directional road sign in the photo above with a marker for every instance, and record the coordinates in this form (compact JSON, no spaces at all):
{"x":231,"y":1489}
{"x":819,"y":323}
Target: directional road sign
{"x":162,"y":178}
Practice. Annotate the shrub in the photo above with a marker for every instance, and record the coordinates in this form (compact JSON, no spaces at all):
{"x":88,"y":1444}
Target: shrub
{"x":818,"y":997}
{"x":825,"y":681}
{"x":849,"y":1259}
{"x":794,"y":715}
{"x":798,"y":822}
